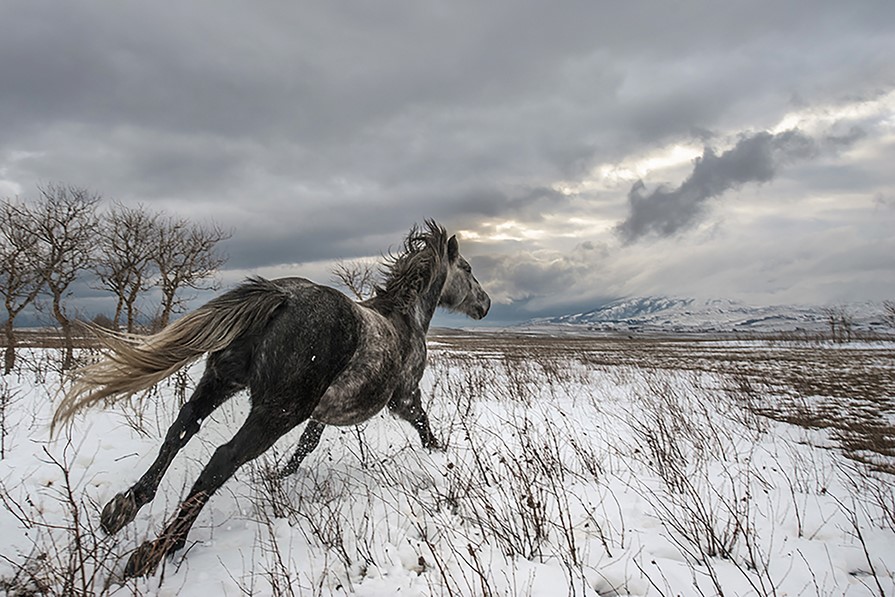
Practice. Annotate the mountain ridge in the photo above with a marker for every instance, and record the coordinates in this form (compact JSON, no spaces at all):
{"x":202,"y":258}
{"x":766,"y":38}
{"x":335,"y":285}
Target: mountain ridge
{"x":690,"y":315}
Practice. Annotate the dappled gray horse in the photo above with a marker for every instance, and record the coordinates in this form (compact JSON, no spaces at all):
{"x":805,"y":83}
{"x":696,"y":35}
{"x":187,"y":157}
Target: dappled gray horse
{"x":305,"y":352}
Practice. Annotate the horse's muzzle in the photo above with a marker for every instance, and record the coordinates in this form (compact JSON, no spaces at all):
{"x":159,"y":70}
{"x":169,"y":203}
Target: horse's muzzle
{"x":482,"y":309}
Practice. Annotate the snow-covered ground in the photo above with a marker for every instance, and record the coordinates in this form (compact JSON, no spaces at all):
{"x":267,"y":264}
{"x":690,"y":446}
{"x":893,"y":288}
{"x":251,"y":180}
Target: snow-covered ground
{"x":564,"y":473}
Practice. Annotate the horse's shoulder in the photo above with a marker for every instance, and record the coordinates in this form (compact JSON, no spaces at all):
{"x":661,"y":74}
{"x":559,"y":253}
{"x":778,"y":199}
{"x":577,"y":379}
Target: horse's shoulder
{"x":377,"y":329}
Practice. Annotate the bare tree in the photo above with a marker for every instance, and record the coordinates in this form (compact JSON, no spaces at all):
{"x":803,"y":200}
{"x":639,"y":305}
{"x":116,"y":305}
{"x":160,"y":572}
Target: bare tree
{"x":64,"y":221}
{"x":185,"y":256}
{"x":20,"y":281}
{"x":889,"y":313}
{"x":359,"y":276}
{"x":841,"y":321}
{"x":832,"y":321}
{"x":123,"y":261}
{"x":846,"y":322}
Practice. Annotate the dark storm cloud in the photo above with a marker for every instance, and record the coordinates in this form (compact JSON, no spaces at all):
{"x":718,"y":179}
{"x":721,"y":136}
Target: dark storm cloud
{"x":500,"y":91}
{"x":324,"y":130}
{"x":853,"y":135}
{"x":373,"y":225}
{"x":526,"y":277}
{"x":754,"y":159}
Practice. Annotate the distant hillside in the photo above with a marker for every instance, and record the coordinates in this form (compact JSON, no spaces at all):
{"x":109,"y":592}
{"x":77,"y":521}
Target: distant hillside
{"x":687,"y":315}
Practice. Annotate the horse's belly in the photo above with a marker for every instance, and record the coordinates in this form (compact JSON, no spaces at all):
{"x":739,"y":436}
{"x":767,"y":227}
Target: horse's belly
{"x":341,"y":408}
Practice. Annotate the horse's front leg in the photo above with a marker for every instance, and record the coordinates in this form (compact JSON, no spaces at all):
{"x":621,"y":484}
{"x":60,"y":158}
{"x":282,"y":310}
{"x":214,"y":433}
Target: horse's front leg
{"x":409,"y":407}
{"x":309,"y":440}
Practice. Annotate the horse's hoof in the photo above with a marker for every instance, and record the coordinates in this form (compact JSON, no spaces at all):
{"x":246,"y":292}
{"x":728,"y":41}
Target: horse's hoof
{"x":144,"y":560}
{"x":120,"y":510}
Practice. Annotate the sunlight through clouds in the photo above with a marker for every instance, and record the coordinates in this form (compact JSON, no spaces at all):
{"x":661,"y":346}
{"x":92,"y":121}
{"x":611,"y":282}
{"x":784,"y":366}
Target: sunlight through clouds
{"x":528,"y":126}
{"x":819,"y":119}
{"x":509,"y":230}
{"x":611,"y":176}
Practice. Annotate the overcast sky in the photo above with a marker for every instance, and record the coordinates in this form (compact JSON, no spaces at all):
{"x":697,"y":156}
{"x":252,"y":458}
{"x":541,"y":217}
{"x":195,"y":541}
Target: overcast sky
{"x":583,"y":151}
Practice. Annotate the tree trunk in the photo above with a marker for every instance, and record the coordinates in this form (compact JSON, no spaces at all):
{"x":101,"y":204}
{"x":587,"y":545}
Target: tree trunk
{"x":118,"y":309}
{"x":68,"y":344}
{"x":69,"y":356}
{"x":130,"y":304}
{"x":9,"y":357}
{"x":167,"y":308}
{"x":131,"y":317}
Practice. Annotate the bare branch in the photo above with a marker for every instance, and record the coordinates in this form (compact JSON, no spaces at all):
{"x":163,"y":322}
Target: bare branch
{"x":20,"y":280}
{"x":185,"y":257}
{"x":359,"y":276}
{"x":64,"y":221}
{"x":123,"y":262}
{"x":889,"y":313}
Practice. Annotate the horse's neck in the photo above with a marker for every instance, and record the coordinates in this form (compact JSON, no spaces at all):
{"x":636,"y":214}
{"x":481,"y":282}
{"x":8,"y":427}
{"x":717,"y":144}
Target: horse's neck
{"x":424,"y":309}
{"x":416,"y":316}
{"x":417,"y":319}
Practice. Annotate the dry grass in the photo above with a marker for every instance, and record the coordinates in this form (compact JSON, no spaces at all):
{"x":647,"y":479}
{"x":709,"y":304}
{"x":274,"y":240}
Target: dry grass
{"x":525,"y":482}
{"x":847,"y":389}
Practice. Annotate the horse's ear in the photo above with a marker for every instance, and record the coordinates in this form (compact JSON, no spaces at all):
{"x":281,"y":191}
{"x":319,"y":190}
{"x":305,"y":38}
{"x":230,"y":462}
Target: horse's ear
{"x":453,"y":249}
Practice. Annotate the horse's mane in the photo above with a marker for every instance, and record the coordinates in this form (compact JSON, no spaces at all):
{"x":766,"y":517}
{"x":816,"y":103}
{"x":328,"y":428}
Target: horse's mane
{"x":411,"y":272}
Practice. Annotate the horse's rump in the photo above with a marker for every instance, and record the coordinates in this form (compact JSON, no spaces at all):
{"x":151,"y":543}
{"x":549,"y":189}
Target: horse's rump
{"x":135,"y":363}
{"x":305,"y":345}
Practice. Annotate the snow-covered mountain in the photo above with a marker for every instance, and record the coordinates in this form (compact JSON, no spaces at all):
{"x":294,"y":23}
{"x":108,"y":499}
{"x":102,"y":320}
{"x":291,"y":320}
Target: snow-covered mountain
{"x":688,"y":315}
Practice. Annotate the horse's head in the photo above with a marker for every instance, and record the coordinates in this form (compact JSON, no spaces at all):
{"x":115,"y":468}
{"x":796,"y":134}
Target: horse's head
{"x":462,"y":292}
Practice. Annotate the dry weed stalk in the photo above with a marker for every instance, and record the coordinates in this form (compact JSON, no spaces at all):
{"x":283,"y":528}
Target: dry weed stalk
{"x":67,"y":557}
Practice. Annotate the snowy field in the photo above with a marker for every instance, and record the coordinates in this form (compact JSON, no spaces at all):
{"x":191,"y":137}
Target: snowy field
{"x":572,"y":467}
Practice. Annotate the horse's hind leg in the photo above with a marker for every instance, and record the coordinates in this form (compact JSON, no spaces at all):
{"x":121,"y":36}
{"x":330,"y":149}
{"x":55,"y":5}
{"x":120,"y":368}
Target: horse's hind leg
{"x":210,"y":392}
{"x":310,"y":437}
{"x":410,"y":408}
{"x":261,"y":429}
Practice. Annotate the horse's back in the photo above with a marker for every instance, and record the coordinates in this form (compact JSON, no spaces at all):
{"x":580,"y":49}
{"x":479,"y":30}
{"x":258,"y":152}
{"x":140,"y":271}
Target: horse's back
{"x":305,"y":345}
